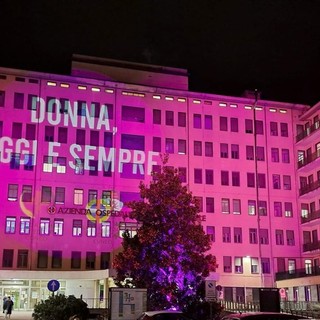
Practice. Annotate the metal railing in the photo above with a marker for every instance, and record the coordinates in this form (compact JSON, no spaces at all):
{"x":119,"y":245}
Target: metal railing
{"x":311,"y":216}
{"x":298,"y":273}
{"x":309,"y":187}
{"x":312,"y":157}
{"x":308,"y":131}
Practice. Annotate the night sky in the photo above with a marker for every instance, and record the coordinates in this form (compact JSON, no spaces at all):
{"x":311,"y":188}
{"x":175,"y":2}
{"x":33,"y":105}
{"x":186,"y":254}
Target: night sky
{"x":227,"y":46}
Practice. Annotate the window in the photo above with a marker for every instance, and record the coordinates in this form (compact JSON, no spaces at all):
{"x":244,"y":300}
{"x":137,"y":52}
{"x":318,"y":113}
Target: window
{"x":182,"y":146}
{"x":261,"y":180}
{"x":2,"y":98}
{"x":237,"y":233}
{"x":182,"y":119}
{"x":129,"y":227}
{"x":59,"y":195}
{"x":236,"y":204}
{"x":279,"y":237}
{"x":253,"y":236}
{"x":199,"y":201}
{"x":94,"y":138}
{"x":273,"y":128}
{"x":262,"y":207}
{"x":211,"y":233}
{"x":250,"y":180}
{"x":260,"y":153}
{"x":134,"y":114}
{"x":264,"y":236}
{"x":209,"y":176}
{"x":15,"y":161}
{"x":22,"y":259}
{"x":208,"y":122}
{"x":208,"y":149}
{"x":169,"y":118}
{"x":46,"y":194}
{"x":248,"y":126}
{"x":290,"y":237}
{"x":107,"y":140}
{"x":75,"y":260}
{"x":93,"y":167}
{"x":234,"y":124}
{"x":156,"y":146}
{"x":276,"y":181}
{"x":238,"y":266}
{"x":10,"y":225}
{"x":284,"y":129}
{"x":182,"y":174}
{"x":274,"y":154}
{"x":105,"y":229}
{"x":91,"y":228}
{"x":81,"y":137}
{"x":225,"y":205}
{"x":259,"y":127}
{"x":285,"y":156}
{"x":1,"y":128}
{"x":16,"y":130}
{"x":224,"y":178}
{"x":197,"y":121}
{"x":286,"y":182}
{"x":223,"y":150}
{"x":42,"y":259}
{"x":197,"y":145}
{"x":92,"y":197}
{"x":254,"y":265}
{"x":78,"y":196}
{"x":223,"y":124}
{"x":25,"y":225}
{"x":265,"y":264}
{"x":28,"y":162}
{"x":288,"y":212}
{"x":56,"y":262}
{"x":251,"y":207}
{"x":77,"y":228}
{"x":291,"y":266}
{"x":197,"y":175}
{"x":90,"y":260}
{"x":156,"y":116}
{"x":169,"y":145}
{"x":62,"y":135}
{"x":12,"y":192}
{"x":49,"y":133}
{"x":226,"y":234}
{"x":235,"y":151}
{"x":58,"y":227}
{"x":47,"y":164}
{"x":61,"y":164}
{"x":79,"y":166}
{"x":227,"y":264}
{"x":235,"y":179}
{"x":277,"y":209}
{"x":44,"y":226}
{"x":7,"y":258}
{"x":249,"y":153}
{"x":209,"y":205}
{"x":105,"y":260}
{"x":30,"y":131}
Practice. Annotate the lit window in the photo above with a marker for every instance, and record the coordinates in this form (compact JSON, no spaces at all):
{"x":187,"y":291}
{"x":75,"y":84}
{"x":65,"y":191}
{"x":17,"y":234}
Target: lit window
{"x":105,"y":229}
{"x":78,"y":196}
{"x":61,"y":164}
{"x":47,"y":164}
{"x":24,"y":225}
{"x":77,"y":228}
{"x":288,"y":211}
{"x":58,"y":227}
{"x":251,"y":207}
{"x":129,"y":227}
{"x":91,"y":228}
{"x":79,"y":166}
{"x":44,"y":226}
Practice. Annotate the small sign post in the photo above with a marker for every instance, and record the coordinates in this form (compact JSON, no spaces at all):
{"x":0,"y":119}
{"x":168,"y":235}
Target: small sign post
{"x":53,"y":285}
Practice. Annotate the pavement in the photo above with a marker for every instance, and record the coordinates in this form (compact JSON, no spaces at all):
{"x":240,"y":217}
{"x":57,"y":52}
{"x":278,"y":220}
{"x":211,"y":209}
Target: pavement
{"x":19,"y":315}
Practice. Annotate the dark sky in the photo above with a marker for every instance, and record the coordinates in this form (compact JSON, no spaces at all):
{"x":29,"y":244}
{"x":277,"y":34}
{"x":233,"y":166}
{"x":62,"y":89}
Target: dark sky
{"x":227,"y":45}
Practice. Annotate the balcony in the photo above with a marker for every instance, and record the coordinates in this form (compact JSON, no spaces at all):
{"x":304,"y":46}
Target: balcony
{"x":311,"y":216}
{"x":312,"y":246}
{"x":299,"y":273}
{"x":309,"y":159}
{"x":313,"y":128}
{"x":309,"y":187}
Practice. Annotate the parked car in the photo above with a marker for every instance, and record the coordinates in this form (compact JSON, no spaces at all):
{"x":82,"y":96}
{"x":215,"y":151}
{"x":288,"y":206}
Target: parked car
{"x":262,"y":316}
{"x":164,"y":315}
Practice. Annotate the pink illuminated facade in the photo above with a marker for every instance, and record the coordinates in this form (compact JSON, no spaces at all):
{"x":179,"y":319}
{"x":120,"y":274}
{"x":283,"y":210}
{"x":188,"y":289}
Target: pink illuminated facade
{"x":73,"y":150}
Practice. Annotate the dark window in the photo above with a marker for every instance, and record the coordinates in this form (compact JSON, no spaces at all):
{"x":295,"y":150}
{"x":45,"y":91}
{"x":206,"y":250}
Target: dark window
{"x":16,"y":130}
{"x":182,"y":119}
{"x":259,"y":127}
{"x":208,"y":122}
{"x":169,"y":118}
{"x":108,"y":142}
{"x":249,"y":126}
{"x":105,"y":260}
{"x":224,"y":178}
{"x":223,"y":124}
{"x":18,"y":100}
{"x":134,"y":114}
{"x":197,"y":121}
{"x":234,"y":125}
{"x":90,"y":260}
{"x":31,"y":131}
{"x":22,"y":260}
{"x":284,"y":129}
{"x":273,"y":128}
{"x":56,"y":261}
{"x":208,"y":149}
{"x":156,"y":116}
{"x":209,"y":204}
{"x":132,"y":142}
{"x":49,"y":133}
{"x":156,"y":144}
{"x":209,"y":176}
{"x":75,"y":260}
{"x":236,"y":179}
{"x":94,"y":138}
{"x":197,"y":148}
{"x":250,"y":180}
{"x":197,"y":175}
{"x":7,"y":258}
{"x":42,"y":259}
{"x":182,"y":174}
{"x":81,"y":137}
{"x":2,"y":98}
{"x":62,"y":135}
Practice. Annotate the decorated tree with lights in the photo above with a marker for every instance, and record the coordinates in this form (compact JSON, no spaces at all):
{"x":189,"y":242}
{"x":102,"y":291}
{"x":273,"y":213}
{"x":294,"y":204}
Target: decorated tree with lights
{"x":168,"y":255}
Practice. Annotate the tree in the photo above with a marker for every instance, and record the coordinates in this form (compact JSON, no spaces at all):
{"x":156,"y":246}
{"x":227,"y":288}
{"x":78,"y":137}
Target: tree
{"x":60,"y":307}
{"x":168,"y":254}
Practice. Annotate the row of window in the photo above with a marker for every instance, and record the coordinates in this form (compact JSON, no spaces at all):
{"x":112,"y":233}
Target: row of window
{"x":255,"y":236}
{"x":227,"y":205}
{"x":56,"y":258}
{"x":57,"y":226}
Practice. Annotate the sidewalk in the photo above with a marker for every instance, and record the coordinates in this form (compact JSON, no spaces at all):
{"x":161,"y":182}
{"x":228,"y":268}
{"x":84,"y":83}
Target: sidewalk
{"x":19,"y":315}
